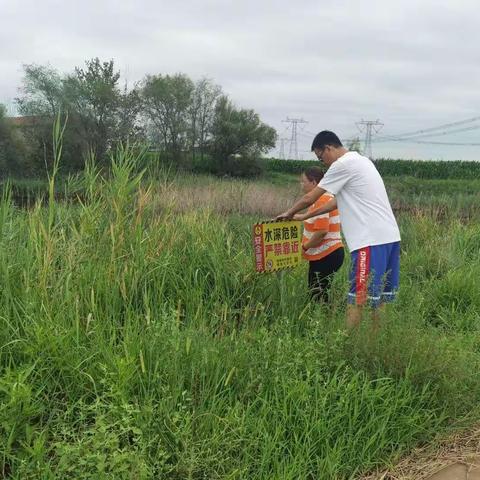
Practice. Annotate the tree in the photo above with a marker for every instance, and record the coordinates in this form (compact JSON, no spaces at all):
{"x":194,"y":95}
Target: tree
{"x":99,"y":113}
{"x":93,"y":100}
{"x":129,"y":111}
{"x":202,"y":114}
{"x":12,"y":147}
{"x":41,"y":99}
{"x":42,"y":92}
{"x":167,"y":101}
{"x":239,"y":132}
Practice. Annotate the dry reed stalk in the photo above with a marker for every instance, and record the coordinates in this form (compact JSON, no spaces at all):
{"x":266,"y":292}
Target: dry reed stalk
{"x":262,"y":200}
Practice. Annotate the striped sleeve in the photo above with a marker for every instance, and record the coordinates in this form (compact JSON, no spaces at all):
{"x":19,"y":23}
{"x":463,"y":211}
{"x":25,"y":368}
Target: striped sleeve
{"x":321,"y":222}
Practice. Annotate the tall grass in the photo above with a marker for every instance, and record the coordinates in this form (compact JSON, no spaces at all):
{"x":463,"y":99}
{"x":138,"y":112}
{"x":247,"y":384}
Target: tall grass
{"x":136,"y":342}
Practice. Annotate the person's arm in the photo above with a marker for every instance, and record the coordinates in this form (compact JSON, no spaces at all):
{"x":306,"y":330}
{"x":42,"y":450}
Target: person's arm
{"x":327,"y":208}
{"x":315,"y":240}
{"x":304,"y":202}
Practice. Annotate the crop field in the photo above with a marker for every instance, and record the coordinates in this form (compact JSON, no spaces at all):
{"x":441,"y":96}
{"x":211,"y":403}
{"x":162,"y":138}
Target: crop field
{"x":137,"y":342}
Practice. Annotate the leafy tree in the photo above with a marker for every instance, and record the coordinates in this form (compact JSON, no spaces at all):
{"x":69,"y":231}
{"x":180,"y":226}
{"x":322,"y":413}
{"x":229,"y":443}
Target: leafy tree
{"x":202,"y":114}
{"x":41,"y":99}
{"x":12,"y":147}
{"x":93,"y":100}
{"x":167,"y":100}
{"x":130,"y":109}
{"x":42,"y":92}
{"x":239,"y":132}
{"x":100,"y":114}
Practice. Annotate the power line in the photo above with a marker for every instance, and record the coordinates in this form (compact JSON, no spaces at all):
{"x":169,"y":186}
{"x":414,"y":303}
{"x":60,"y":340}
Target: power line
{"x":426,"y":135}
{"x":304,"y":135}
{"x":439,"y":127}
{"x":426,"y":142}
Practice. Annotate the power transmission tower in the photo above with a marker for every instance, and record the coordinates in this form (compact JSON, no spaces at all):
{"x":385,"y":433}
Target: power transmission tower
{"x":293,"y":151}
{"x":367,"y":126}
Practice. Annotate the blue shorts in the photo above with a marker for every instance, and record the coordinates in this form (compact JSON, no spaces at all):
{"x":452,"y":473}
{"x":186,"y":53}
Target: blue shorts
{"x":375,"y":274}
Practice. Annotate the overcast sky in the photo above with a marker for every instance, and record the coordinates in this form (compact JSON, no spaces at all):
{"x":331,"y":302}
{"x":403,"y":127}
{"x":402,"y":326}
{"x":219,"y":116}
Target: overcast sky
{"x":412,"y":64}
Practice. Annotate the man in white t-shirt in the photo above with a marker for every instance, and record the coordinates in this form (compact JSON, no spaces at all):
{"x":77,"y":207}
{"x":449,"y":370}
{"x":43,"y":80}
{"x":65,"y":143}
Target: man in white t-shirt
{"x":368,"y":223}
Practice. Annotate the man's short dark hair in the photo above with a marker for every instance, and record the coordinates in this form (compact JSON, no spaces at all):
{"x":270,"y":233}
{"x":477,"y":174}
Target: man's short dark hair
{"x":326,"y":138}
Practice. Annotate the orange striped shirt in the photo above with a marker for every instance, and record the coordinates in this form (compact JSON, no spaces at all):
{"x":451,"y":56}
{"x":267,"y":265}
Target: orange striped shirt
{"x":329,"y":222}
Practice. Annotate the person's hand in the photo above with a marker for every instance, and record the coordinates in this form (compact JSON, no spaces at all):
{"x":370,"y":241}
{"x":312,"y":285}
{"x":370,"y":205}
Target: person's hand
{"x":284,"y":216}
{"x":299,"y":216}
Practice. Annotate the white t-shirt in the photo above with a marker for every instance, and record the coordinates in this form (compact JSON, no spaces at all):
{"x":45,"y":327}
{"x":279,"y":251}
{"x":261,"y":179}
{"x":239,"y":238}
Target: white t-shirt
{"x":365,"y":212}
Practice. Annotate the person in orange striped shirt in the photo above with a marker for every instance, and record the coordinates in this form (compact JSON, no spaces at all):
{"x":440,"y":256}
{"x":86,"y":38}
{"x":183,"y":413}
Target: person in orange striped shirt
{"x":322,"y":244}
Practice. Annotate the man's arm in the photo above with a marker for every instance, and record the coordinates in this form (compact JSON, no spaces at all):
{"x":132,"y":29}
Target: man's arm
{"x":304,"y":202}
{"x":327,"y":208}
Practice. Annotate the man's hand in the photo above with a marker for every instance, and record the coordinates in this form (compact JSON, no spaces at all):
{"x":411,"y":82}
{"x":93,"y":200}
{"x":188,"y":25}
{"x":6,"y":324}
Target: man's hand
{"x":299,"y":216}
{"x":307,"y":200}
{"x":284,"y":216}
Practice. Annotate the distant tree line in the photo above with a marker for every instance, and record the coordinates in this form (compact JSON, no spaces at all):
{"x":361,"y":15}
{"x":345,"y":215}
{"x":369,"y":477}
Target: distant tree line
{"x":189,"y":124}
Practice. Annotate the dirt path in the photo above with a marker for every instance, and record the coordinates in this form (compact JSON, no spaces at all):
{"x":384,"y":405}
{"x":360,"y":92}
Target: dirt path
{"x":459,"y":471}
{"x":454,"y":458}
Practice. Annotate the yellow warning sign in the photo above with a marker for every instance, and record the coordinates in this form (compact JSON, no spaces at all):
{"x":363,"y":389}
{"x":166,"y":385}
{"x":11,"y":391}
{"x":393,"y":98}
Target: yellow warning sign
{"x":277,"y":245}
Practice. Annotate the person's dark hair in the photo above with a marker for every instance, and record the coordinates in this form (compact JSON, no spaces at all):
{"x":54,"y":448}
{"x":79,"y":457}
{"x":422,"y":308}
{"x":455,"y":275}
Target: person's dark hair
{"x":326,"y":138}
{"x":314,"y":174}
